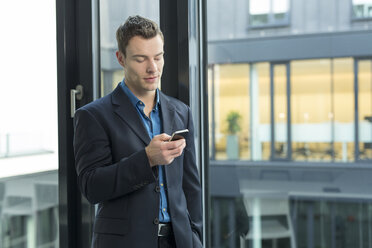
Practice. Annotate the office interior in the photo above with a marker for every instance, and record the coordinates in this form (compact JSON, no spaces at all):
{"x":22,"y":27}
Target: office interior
{"x":281,"y":95}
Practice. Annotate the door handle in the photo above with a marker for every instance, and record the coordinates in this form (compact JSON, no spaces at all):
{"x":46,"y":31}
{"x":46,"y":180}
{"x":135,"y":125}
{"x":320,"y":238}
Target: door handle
{"x":76,"y":94}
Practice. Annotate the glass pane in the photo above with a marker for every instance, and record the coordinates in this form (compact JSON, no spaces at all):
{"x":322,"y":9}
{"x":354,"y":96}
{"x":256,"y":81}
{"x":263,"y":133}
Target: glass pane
{"x":211,"y":118}
{"x":259,"y":11}
{"x":28,"y":126}
{"x":280,"y":6}
{"x":259,"y":7}
{"x":311,"y":110}
{"x":365,"y":108}
{"x":231,"y":111}
{"x":362,"y":8}
{"x":260,"y":111}
{"x":280,"y":10}
{"x":322,"y":197}
{"x":280,"y":111}
{"x":343,"y":109}
{"x":112,"y":14}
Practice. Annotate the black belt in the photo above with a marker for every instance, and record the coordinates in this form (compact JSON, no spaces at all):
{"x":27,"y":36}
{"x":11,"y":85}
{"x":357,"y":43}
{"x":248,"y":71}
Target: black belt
{"x":165,"y":229}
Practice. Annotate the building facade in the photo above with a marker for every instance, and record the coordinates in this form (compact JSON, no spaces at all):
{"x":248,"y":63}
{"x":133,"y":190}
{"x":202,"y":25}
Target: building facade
{"x":290,"y":88}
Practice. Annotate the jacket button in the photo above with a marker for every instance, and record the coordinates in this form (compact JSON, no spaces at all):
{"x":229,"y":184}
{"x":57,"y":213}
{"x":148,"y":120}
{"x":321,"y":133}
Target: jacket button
{"x":157,"y":189}
{"x":156,"y":221}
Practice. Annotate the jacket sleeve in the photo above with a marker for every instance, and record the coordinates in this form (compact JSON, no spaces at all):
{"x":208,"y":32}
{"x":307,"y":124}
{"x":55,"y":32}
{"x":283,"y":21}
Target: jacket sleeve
{"x":191,"y":181}
{"x":99,"y":178}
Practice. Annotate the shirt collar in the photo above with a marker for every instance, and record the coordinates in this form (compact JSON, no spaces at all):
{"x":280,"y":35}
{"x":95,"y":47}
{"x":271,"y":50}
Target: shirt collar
{"x":134,"y":100}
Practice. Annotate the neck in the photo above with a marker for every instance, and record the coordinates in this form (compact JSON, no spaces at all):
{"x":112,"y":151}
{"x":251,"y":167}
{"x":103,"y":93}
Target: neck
{"x":147,"y":97}
{"x":144,"y":96}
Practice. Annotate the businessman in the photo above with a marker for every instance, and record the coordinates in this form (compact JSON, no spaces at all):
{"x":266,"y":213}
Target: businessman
{"x":147,"y":188}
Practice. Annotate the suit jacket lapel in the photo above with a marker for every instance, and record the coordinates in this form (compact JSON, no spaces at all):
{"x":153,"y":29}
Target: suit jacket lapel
{"x":127,"y":112}
{"x":167,"y":111}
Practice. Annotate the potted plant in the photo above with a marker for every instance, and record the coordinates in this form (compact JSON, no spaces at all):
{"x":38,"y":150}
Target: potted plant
{"x":232,"y":141}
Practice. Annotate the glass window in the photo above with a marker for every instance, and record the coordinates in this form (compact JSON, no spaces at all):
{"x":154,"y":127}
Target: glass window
{"x":231,"y":111}
{"x":362,"y":9}
{"x":28,"y":126}
{"x":112,"y":14}
{"x":280,"y":113}
{"x":239,"y":111}
{"x":268,"y":12}
{"x":343,"y":109}
{"x":321,"y":196}
{"x":260,"y":111}
{"x":311,"y":110}
{"x":365,"y":109}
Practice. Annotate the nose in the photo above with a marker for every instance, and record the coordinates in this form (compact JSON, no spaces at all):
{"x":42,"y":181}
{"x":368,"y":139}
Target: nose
{"x":151,"y":67}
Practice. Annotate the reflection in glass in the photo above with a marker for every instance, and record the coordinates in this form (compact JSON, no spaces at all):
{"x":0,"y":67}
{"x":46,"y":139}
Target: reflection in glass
{"x":311,"y":110}
{"x":365,"y":109}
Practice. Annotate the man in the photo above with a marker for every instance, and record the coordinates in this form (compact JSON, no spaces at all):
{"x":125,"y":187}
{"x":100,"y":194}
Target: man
{"x":147,"y":187}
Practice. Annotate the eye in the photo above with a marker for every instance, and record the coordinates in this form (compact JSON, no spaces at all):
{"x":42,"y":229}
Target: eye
{"x":140,"y":60}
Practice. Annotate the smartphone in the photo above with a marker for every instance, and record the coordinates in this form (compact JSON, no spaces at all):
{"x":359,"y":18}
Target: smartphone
{"x":179,"y":134}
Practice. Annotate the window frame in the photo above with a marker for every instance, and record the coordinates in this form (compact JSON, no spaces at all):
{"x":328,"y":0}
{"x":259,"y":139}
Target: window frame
{"x":356,"y":113}
{"x":273,"y":157}
{"x":355,"y":18}
{"x":271,"y":20}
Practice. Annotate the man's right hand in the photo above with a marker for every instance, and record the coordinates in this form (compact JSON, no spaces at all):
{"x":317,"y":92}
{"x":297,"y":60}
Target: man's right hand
{"x":161,"y":151}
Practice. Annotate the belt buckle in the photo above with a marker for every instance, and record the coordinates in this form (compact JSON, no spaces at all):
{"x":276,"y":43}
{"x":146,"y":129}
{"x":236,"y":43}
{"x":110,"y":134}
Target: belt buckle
{"x":159,"y":229}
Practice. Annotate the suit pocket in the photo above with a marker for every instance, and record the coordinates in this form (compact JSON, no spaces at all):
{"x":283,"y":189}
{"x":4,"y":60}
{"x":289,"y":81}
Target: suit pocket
{"x":195,"y":235}
{"x":111,"y":226}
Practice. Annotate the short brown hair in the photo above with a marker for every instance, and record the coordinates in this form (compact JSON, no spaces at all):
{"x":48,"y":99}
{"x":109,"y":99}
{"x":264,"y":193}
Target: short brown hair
{"x":136,"y":26}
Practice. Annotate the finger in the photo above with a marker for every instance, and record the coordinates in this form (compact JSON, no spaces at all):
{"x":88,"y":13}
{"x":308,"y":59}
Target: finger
{"x":177,"y":151}
{"x":176,"y":143}
{"x":162,"y":137}
{"x":165,"y":137}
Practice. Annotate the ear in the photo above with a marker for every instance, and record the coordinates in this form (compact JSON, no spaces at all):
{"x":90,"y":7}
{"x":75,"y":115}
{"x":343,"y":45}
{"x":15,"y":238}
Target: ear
{"x":121,"y":58}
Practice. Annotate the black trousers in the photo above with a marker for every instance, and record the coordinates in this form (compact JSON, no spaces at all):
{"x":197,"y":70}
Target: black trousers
{"x":166,"y":242}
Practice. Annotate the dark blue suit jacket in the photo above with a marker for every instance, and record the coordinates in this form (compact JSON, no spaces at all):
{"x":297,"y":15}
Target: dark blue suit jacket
{"x":113,"y":171}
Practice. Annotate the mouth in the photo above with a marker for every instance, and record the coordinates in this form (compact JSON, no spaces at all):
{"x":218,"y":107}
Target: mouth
{"x":151,"y":79}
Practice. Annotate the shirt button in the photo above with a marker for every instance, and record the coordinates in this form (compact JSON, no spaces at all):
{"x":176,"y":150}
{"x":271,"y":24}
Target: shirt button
{"x":156,"y":221}
{"x":157,"y":189}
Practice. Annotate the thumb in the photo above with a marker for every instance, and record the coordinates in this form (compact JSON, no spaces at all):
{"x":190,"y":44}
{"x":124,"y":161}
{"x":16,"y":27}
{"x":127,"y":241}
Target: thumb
{"x":163,"y":137}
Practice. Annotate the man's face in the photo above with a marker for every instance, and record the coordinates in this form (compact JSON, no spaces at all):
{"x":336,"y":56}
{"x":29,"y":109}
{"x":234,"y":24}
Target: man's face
{"x":143,"y":64}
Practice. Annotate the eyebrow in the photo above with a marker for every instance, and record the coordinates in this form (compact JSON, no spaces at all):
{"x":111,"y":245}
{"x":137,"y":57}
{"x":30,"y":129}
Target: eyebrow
{"x":144,"y":56}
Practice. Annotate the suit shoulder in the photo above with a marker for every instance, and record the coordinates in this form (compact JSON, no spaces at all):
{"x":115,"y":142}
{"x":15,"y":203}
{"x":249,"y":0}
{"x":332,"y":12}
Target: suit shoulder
{"x":178,"y":104}
{"x":100,"y":105}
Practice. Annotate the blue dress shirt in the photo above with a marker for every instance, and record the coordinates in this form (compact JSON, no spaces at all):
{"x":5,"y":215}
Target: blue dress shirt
{"x":154,"y":127}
